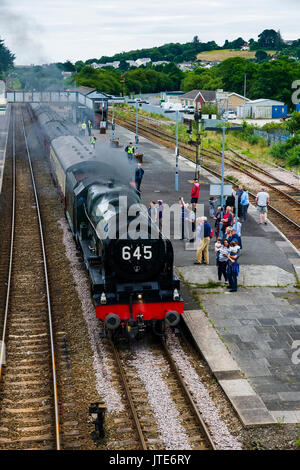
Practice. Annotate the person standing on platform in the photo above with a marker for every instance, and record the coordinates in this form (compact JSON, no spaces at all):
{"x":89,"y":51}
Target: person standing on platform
{"x":222,"y":261}
{"x":160,"y":209}
{"x":152,"y":212}
{"x":230,"y":201}
{"x":190,"y":222}
{"x":233,"y":266}
{"x":235,"y":237}
{"x":217,"y":219}
{"x":262,"y":202}
{"x":182,"y":216}
{"x":130,"y":151}
{"x":212,"y":202}
{"x":227,"y":219}
{"x":204,"y":244}
{"x":139,"y":173}
{"x":245,"y":204}
{"x":238,"y":227}
{"x":89,"y":127}
{"x":83,"y":128}
{"x":93,"y":141}
{"x":195,"y":193}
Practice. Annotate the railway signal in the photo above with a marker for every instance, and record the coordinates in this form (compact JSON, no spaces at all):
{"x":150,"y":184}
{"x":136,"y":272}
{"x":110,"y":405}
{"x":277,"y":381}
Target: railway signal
{"x":197,"y":142}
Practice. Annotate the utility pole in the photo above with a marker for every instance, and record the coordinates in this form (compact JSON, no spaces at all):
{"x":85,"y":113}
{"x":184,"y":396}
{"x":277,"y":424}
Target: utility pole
{"x":123,"y":86}
{"x":245,"y":87}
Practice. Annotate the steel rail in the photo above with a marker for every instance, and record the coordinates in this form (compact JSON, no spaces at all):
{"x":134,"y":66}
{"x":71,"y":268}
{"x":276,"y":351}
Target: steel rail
{"x":217,"y":153}
{"x":129,"y":396}
{"x":274,"y":209}
{"x":257,"y":167}
{"x":12,"y":237}
{"x":188,"y":396}
{"x":57,"y":427}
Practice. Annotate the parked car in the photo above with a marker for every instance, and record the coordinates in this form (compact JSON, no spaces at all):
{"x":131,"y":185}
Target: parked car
{"x":189,"y":109}
{"x":229,"y":115}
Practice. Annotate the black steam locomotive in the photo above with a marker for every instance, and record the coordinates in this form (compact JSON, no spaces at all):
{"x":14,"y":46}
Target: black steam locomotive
{"x":130,"y":263}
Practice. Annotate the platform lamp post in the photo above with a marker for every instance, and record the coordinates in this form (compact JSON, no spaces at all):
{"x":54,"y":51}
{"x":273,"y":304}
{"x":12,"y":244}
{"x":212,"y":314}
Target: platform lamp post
{"x":176,"y":152}
{"x":224,"y":125}
{"x":197,"y":117}
{"x":113,"y":122}
{"x":137,"y":127}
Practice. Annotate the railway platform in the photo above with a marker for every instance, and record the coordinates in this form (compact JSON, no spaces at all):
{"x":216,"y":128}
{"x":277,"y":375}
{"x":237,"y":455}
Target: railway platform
{"x":4,"y":118}
{"x":249,"y":338}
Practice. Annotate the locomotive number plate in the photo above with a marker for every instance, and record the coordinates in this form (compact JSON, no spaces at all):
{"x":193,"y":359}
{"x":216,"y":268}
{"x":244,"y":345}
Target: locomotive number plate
{"x":139,"y":252}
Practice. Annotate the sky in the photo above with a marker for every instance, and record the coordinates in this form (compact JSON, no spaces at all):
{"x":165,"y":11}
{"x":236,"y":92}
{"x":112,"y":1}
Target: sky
{"x":57,"y":30}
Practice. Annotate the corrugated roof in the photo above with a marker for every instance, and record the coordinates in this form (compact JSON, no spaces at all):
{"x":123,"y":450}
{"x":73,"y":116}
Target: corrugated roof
{"x":84,"y":90}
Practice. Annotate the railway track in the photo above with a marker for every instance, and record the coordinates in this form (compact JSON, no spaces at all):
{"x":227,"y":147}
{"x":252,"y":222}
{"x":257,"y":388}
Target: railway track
{"x":142,"y":419}
{"x":285,"y":208}
{"x":29,"y":405}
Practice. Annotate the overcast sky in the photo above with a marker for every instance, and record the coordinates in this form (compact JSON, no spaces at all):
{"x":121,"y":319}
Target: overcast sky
{"x":56,"y":30}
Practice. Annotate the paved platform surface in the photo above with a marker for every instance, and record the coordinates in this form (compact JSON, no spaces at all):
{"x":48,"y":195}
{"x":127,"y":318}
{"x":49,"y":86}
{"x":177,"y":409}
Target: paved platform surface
{"x":247,"y":337}
{"x":3,"y":140}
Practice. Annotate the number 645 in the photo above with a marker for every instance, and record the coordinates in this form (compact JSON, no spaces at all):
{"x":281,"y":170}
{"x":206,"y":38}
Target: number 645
{"x":126,"y":252}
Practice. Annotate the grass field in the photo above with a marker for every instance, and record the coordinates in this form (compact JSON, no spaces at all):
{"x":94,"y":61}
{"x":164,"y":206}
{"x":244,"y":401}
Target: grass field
{"x":227,"y":54}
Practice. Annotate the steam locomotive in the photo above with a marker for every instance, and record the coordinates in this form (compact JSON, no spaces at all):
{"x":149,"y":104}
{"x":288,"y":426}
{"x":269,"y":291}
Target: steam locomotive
{"x":130,"y":263}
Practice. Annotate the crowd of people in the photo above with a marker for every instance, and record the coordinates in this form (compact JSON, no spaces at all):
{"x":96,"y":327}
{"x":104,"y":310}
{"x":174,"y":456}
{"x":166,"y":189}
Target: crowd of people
{"x":227,"y":229}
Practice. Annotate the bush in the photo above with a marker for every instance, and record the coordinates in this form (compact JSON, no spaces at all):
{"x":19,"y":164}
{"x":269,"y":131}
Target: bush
{"x":293,"y":156}
{"x":280,"y":151}
{"x":271,"y":126}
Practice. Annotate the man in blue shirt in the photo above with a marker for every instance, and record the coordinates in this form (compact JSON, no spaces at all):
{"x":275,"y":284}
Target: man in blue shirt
{"x":245,"y":204}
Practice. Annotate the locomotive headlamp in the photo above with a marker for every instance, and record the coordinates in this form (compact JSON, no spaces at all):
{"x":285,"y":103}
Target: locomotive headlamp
{"x":140,"y":296}
{"x":176,"y":294}
{"x":103,"y":298}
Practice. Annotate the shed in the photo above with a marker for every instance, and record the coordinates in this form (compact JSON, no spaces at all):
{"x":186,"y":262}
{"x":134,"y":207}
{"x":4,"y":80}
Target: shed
{"x":258,"y":109}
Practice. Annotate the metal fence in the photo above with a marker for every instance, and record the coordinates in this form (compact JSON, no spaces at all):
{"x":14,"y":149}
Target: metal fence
{"x":272,"y":137}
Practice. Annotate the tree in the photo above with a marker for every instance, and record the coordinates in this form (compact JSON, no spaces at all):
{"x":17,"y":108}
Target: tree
{"x":293,"y":124}
{"x":261,"y":55}
{"x":270,"y":39}
{"x":6,"y":57}
{"x":66,"y":66}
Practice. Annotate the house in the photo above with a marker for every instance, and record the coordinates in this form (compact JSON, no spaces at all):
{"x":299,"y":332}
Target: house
{"x":160,"y":62}
{"x":229,"y":101}
{"x":186,"y":66}
{"x":66,"y":74}
{"x":245,"y":47}
{"x":131,"y":63}
{"x":172,"y":97}
{"x":262,"y":109}
{"x":198,"y":98}
{"x":142,"y":61}
{"x":115,"y":64}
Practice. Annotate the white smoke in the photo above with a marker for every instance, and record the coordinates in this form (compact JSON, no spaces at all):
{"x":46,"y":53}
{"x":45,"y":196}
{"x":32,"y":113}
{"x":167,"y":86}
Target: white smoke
{"x":21,"y":35}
